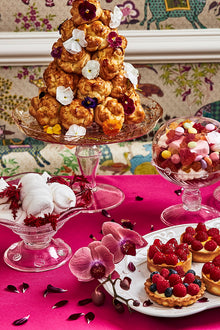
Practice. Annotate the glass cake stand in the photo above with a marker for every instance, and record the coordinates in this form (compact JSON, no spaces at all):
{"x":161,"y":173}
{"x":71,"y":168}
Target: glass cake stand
{"x":87,"y":148}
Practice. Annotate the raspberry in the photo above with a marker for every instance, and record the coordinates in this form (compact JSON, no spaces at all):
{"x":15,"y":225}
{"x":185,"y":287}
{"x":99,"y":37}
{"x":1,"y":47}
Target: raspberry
{"x":210,"y":245}
{"x":184,"y":246}
{"x":174,"y":279}
{"x":189,"y":278}
{"x":188,"y":238}
{"x":213,"y":232}
{"x":190,"y":230}
{"x":152,"y":250}
{"x":193,"y":289}
{"x":196,"y":245}
{"x":215,"y":274}
{"x":159,"y":258}
{"x":156,"y":277}
{"x":207,"y":267}
{"x":171,"y":259}
{"x":162,"y":285}
{"x":158,"y":243}
{"x":168,"y":248}
{"x":201,"y":226}
{"x":180,"y":271}
{"x":181,"y":254}
{"x":165,"y":273}
{"x":201,"y":236}
{"x":216,"y":261}
{"x":179,"y":290}
{"x":173,"y":241}
{"x":217,"y":239}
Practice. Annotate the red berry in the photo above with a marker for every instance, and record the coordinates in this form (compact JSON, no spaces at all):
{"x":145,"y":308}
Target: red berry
{"x":207,"y":267}
{"x":201,"y":236}
{"x":168,"y":248}
{"x":156,"y":278}
{"x":181,"y":254}
{"x":188,"y":238}
{"x":216,"y":261}
{"x":217,"y":239}
{"x":174,"y":279}
{"x":201,"y":226}
{"x":179,"y":290}
{"x":162,"y":285}
{"x":193,"y":289}
{"x":173,"y":241}
{"x":196,"y":245}
{"x":210,"y":245}
{"x":189,"y":278}
{"x":180,"y":271}
{"x":213,"y":232}
{"x":158,"y":243}
{"x":215,"y":274}
{"x":184,"y":246}
{"x":190,"y":230}
{"x":159,"y":258}
{"x":171,"y":259}
{"x":165,"y":273}
{"x":152,"y":250}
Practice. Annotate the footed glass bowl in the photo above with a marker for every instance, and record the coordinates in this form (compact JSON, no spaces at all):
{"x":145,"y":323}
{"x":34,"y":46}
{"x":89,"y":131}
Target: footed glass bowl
{"x":192,"y":175}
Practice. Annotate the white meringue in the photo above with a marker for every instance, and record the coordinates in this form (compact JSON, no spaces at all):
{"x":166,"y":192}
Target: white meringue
{"x":63,"y":197}
{"x":38,"y":204}
{"x":3,"y":185}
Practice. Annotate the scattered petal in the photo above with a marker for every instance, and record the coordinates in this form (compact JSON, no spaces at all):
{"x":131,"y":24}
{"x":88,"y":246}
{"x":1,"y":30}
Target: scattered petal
{"x":178,"y":191}
{"x":118,"y":306}
{"x":98,"y":297}
{"x":84,"y":302}
{"x":116,"y":17}
{"x":127,"y":224}
{"x":45,"y":293}
{"x":125,"y":283}
{"x":147,"y":303}
{"x":12,"y":288}
{"x":64,"y":95}
{"x":203,"y":299}
{"x":51,"y":288}
{"x":131,"y":73}
{"x":151,"y":227}
{"x":136,"y":303}
{"x":89,"y":317}
{"x":91,"y":69}
{"x":139,"y":198}
{"x":21,"y":321}
{"x":24,"y":287}
{"x":106,"y":214}
{"x":178,"y":307}
{"x":60,"y":303}
{"x":75,"y":316}
{"x":131,"y":267}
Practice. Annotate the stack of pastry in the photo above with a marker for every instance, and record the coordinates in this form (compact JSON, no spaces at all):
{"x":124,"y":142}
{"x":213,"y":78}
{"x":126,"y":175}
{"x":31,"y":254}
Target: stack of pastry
{"x":88,"y":80}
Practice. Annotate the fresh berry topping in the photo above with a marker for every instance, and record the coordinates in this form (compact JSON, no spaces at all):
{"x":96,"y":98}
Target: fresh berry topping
{"x":171,"y":259}
{"x":189,"y":278}
{"x":173,"y":241}
{"x":153,"y":287}
{"x":210,"y":245}
{"x":158,"y":243}
{"x":201,"y":236}
{"x":201,"y":226}
{"x":152,"y":274}
{"x":181,"y":254}
{"x":172,"y":271}
{"x":168,"y":248}
{"x":174,"y":279}
{"x":156,"y":278}
{"x":215,"y":274}
{"x":217,"y":239}
{"x":193,"y":289}
{"x":186,"y":284}
{"x":184,"y":246}
{"x":159,"y":258}
{"x":213,"y":232}
{"x":179,"y":290}
{"x":196,"y":245}
{"x":198,"y":282}
{"x":187,"y":238}
{"x":180,"y":271}
{"x":191,"y":271}
{"x":152,"y":250}
{"x":190,"y":230}
{"x":207,"y":267}
{"x":162,"y":285}
{"x":216,"y":261}
{"x":165,"y":273}
{"x":168,"y":292}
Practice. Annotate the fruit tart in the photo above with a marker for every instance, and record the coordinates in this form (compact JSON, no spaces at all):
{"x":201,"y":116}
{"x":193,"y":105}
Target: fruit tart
{"x":204,"y":242}
{"x":168,"y":255}
{"x":172,"y":288}
{"x":211,"y":275}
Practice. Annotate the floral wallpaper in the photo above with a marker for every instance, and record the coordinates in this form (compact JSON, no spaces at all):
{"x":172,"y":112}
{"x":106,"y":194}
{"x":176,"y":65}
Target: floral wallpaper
{"x":181,"y":89}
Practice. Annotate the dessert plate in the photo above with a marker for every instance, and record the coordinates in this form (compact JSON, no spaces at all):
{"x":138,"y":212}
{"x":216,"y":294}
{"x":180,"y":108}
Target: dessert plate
{"x":141,"y":273}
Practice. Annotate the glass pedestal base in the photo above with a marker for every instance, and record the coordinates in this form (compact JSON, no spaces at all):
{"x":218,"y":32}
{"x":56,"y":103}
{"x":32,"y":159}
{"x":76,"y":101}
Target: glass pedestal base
{"x":177,"y":215}
{"x":22,"y":257}
{"x":105,"y":197}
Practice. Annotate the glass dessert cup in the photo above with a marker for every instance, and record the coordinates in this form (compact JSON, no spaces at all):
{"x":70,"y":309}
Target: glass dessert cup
{"x":216,"y":196}
{"x":87,"y":152}
{"x":191,"y":210}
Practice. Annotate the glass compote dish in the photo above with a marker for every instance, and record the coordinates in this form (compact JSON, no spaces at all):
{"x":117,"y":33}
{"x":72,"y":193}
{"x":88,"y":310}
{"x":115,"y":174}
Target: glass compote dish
{"x":185,"y":153}
{"x":104,"y":196}
{"x":38,"y":251}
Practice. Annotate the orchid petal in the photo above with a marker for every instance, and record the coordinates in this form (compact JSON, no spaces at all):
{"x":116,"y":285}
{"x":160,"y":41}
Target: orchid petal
{"x":132,"y":236}
{"x":80,"y":264}
{"x":110,"y":227}
{"x":114,"y":247}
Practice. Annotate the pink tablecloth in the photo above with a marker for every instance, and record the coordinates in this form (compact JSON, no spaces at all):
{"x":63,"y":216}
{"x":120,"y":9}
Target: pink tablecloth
{"x":157,"y":194}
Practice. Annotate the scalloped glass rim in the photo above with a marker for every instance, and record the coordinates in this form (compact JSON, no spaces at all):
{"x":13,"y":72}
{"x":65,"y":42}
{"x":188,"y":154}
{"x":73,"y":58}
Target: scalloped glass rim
{"x":94,"y":135}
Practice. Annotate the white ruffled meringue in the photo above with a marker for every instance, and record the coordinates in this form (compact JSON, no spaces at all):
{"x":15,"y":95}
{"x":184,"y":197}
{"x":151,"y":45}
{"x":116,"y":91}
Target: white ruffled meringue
{"x":38,"y":203}
{"x":63,"y":197}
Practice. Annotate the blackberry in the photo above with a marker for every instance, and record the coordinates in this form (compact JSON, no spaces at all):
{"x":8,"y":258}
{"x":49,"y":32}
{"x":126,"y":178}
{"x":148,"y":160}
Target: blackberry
{"x":153,"y":287}
{"x":168,"y":292}
{"x":152,"y":274}
{"x":197,"y":281}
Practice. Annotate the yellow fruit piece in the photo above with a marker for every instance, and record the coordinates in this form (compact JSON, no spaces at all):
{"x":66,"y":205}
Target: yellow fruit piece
{"x":166,"y":154}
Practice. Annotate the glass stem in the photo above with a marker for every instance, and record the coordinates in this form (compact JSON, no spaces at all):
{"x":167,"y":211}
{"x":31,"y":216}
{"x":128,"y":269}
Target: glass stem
{"x":191,"y":199}
{"x":88,"y":160}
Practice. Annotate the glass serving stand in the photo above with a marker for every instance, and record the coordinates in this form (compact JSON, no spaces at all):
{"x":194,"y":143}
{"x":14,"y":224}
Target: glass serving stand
{"x":104,"y":196}
{"x":191,"y":210}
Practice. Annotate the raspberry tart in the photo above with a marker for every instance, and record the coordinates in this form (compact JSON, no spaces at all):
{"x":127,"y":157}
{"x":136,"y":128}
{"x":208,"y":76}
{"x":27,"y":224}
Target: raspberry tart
{"x":168,"y":255}
{"x":173,"y":288}
{"x":211,"y":275}
{"x":204,"y":242}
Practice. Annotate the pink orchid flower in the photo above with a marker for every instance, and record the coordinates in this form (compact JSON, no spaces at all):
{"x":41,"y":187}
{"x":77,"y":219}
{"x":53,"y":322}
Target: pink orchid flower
{"x":92,"y":262}
{"x":121,"y":241}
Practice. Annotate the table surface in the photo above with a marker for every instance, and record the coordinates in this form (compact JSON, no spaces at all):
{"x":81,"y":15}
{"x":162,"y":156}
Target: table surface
{"x":157,"y":194}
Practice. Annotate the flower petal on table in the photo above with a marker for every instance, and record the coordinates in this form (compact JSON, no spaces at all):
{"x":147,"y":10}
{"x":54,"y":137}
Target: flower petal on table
{"x":114,"y":247}
{"x":80,"y":264}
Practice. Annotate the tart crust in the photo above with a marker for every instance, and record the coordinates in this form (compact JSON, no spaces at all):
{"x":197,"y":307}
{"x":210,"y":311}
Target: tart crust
{"x":186,"y":265}
{"x":173,"y":301}
{"x":211,"y":286}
